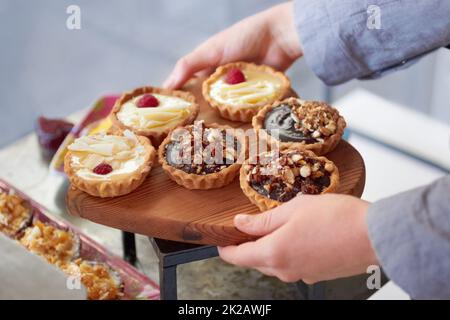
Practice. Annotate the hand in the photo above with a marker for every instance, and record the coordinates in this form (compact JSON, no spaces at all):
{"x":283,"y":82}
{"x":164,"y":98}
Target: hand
{"x":268,"y":38}
{"x":310,"y":238}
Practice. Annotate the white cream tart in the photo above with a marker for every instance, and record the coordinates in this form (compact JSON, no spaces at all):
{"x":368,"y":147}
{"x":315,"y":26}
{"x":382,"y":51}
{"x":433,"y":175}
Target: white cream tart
{"x":239,"y":90}
{"x":166,"y":110}
{"x":108,"y":165}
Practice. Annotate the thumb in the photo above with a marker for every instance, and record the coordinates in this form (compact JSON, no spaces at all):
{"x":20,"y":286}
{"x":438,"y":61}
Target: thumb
{"x":262,"y":223}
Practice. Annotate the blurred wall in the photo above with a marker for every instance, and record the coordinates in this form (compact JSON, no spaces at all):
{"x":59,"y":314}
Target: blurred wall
{"x":47,"y":69}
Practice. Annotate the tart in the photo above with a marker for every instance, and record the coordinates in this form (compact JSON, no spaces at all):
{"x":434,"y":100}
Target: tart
{"x":153,"y":112}
{"x":202,"y":156}
{"x":56,"y":245}
{"x":239,"y":90}
{"x":274,"y":178}
{"x":307,"y":125}
{"x":15,"y":214}
{"x":106,"y":165}
{"x":101,"y":281}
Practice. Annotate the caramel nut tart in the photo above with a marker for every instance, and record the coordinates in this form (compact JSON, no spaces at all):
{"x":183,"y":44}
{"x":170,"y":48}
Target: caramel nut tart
{"x":106,"y":165}
{"x":153,"y":112}
{"x":307,"y":125}
{"x":274,"y":178}
{"x":239,"y":90}
{"x":202,"y":156}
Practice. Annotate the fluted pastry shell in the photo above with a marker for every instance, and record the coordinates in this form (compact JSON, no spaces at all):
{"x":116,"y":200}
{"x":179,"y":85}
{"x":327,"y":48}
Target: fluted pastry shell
{"x":197,"y":181}
{"x":243,"y":113}
{"x":113,"y":187}
{"x":155,"y":136}
{"x":319,"y":148}
{"x":264,"y":203}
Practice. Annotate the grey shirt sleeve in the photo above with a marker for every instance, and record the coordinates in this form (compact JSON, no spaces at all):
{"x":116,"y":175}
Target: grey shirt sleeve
{"x":410,"y":233}
{"x":347,"y":39}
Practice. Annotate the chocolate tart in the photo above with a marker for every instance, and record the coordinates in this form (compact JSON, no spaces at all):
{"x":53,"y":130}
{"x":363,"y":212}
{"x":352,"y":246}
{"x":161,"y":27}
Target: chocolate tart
{"x":273,"y":178}
{"x":187,"y":155}
{"x":153,"y":112}
{"x":109,"y":165}
{"x":239,"y":90}
{"x":306,"y":125}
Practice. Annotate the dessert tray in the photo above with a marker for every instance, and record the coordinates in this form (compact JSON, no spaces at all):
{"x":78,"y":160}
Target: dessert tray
{"x":133,"y":284}
{"x":161,"y":208}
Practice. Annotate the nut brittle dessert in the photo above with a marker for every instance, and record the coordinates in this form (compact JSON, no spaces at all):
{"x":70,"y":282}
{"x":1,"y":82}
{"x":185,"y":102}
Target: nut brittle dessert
{"x":56,"y":245}
{"x":15,"y":214}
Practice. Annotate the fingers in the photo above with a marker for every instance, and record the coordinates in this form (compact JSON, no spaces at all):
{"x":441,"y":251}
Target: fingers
{"x":244,"y":255}
{"x":206,"y":56}
{"x":262,"y":223}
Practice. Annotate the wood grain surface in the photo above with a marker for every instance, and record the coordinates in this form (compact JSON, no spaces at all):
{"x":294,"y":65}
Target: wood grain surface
{"x":160,"y":208}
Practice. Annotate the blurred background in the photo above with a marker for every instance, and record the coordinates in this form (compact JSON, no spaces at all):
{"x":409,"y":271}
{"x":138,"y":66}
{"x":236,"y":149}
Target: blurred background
{"x":47,"y":69}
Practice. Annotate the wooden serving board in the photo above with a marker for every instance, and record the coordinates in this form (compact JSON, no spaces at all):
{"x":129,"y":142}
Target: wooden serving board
{"x":160,"y":208}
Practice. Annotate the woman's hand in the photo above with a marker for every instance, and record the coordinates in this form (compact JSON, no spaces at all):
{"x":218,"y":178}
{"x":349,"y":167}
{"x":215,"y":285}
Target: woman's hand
{"x":310,"y":238}
{"x":268,"y":38}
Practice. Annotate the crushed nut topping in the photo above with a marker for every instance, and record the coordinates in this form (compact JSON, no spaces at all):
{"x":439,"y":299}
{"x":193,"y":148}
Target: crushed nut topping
{"x":57,"y":246}
{"x":281,"y":177}
{"x":202,"y":150}
{"x":15,"y":214}
{"x":315,"y":119}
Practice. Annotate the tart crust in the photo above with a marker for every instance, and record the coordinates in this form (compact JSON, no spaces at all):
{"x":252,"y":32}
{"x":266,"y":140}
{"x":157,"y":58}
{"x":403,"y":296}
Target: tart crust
{"x":238,"y":113}
{"x":196,"y":181}
{"x":156,"y":137}
{"x":116,"y":187}
{"x":264,"y":203}
{"x":319,"y":148}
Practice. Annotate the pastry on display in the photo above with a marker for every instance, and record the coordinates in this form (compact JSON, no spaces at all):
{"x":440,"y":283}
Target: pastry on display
{"x":239,"y":90}
{"x":107,"y":165}
{"x":101,"y":281}
{"x":56,"y":245}
{"x":307,"y":125}
{"x":273,"y":177}
{"x":202,"y":156}
{"x":15,"y":214}
{"x":153,"y":112}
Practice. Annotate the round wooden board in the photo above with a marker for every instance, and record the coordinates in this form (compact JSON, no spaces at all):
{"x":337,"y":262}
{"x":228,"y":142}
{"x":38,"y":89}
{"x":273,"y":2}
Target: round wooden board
{"x":160,"y":208}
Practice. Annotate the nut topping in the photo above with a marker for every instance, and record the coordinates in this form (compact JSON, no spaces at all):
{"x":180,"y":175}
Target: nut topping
{"x":288,"y":174}
{"x":305,"y":171}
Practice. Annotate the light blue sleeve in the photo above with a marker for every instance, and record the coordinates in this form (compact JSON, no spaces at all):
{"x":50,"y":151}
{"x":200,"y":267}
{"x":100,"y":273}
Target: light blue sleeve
{"x":410,"y":233}
{"x":348,"y":39}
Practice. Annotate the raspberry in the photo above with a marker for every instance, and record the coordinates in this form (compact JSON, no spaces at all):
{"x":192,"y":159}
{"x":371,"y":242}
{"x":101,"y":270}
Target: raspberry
{"x":234,"y":76}
{"x":147,"y":101}
{"x":103,"y":168}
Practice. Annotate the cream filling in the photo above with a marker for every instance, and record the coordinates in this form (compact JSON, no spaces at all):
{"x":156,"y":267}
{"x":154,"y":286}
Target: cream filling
{"x":123,"y":153}
{"x":258,"y":87}
{"x":170,"y":112}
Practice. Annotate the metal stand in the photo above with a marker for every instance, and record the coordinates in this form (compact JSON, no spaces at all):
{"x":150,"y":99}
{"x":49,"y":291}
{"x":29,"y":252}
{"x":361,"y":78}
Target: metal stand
{"x":170,"y":255}
{"x":129,"y":247}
